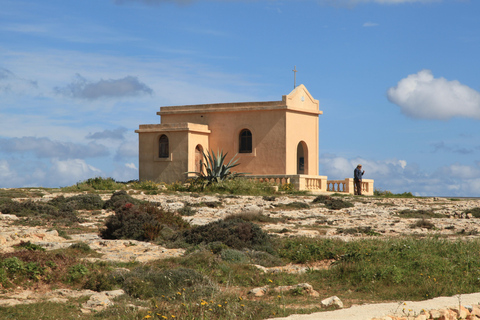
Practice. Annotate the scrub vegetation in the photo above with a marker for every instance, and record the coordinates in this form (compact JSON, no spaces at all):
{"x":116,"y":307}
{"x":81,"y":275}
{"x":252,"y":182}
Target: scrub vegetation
{"x":213,"y":278}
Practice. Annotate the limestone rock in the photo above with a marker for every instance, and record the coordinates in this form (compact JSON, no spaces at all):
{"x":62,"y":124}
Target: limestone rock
{"x":305,"y":287}
{"x":252,"y":209}
{"x":258,"y":292}
{"x":332,"y":301}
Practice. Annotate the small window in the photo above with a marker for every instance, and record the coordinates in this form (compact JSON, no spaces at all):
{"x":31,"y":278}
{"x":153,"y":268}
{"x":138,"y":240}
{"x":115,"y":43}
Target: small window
{"x":163,"y":147}
{"x":245,"y":143}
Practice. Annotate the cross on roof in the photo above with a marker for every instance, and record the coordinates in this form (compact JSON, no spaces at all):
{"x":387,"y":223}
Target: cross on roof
{"x":294,"y":77}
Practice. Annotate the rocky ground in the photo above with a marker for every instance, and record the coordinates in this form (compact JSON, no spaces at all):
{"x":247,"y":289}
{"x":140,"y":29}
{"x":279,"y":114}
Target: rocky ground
{"x":369,"y":217}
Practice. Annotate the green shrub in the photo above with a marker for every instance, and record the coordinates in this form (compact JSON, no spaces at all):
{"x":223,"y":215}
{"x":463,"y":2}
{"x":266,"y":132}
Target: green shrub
{"x":186,"y":211}
{"x":216,"y":247}
{"x":321,"y":199}
{"x":232,"y":255}
{"x":30,"y":246}
{"x":333,"y":203}
{"x":235,"y":233}
{"x":420,"y":214}
{"x":388,"y":194}
{"x":423,"y":223}
{"x":12,"y":265}
{"x":296,"y":205}
{"x":76,"y":273}
{"x":81,"y":246}
{"x":33,"y":270}
{"x":119,"y":199}
{"x":253,"y":217}
{"x":302,"y":249}
{"x":65,"y":213}
{"x":79,"y":202}
{"x":363,"y":230}
{"x":143,"y":222}
{"x":475,"y":212}
{"x":97,"y":183}
{"x":148,"y":282}
{"x":99,"y":281}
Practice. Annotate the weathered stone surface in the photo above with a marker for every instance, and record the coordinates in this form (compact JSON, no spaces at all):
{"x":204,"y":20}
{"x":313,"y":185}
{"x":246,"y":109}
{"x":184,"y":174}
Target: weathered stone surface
{"x":258,"y":292}
{"x":332,"y":301}
{"x":305,"y":287}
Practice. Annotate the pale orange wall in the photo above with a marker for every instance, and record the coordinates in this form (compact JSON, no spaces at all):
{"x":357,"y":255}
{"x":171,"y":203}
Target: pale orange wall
{"x":302,"y":127}
{"x":163,"y":170}
{"x":277,"y":127}
{"x":268,"y":137}
{"x":195,"y":139}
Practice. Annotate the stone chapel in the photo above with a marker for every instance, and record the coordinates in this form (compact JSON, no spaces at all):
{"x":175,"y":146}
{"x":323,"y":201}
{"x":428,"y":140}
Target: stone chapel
{"x":274,"y":140}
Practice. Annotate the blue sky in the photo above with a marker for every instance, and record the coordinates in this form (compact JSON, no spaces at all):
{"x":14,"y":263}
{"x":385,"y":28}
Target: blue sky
{"x":397,"y":81}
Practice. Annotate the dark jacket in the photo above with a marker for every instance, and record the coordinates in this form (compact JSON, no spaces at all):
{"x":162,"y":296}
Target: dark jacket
{"x":357,"y":174}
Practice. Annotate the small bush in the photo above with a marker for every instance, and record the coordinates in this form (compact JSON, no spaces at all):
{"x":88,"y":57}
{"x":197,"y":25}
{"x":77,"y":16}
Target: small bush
{"x":337,"y":204}
{"x":332,"y":203}
{"x":64,"y":214}
{"x":419,"y":214}
{"x":321,"y":199}
{"x":97,"y":183}
{"x":235,"y":233}
{"x":269,"y":198}
{"x":216,"y":247}
{"x":76,"y":273}
{"x":301,"y":249}
{"x":81,"y":246}
{"x":475,"y":212}
{"x":79,"y":202}
{"x":388,"y":194}
{"x":234,"y":256}
{"x":252,"y":217}
{"x":144,"y":222}
{"x":423,"y":223}
{"x":100,"y":282}
{"x":30,"y":246}
{"x":119,"y":199}
{"x":362,"y":230}
{"x":296,"y":205}
{"x":186,"y":211}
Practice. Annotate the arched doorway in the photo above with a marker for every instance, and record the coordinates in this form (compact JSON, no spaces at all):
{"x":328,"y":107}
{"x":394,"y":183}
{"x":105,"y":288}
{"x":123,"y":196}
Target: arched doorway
{"x":302,"y":158}
{"x":198,"y":158}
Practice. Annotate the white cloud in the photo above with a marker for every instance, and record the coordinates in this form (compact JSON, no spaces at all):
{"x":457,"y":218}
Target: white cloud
{"x":422,"y":96}
{"x":68,"y":172}
{"x":6,"y":174}
{"x":126,"y":172}
{"x":131,"y":166}
{"x":398,"y":176}
{"x":46,"y":148}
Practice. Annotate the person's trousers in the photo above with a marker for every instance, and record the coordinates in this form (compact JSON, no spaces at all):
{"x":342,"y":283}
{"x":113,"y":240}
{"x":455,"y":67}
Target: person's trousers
{"x":358,"y":187}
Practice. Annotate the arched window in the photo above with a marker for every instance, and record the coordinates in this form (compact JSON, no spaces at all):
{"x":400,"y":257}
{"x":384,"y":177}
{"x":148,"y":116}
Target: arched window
{"x":163,"y":147}
{"x":245,"y":141}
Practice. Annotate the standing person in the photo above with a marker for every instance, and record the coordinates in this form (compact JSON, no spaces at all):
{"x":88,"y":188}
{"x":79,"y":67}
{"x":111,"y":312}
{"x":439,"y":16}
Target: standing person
{"x":357,"y":178}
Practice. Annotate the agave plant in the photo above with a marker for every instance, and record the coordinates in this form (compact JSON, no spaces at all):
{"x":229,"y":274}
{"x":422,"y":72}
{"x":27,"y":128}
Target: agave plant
{"x":214,"y":168}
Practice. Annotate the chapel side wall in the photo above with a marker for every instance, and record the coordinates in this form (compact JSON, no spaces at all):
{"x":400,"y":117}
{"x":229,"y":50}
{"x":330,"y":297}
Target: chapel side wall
{"x":268,"y":142}
{"x":157,"y":169}
{"x":308,"y":134}
{"x":195,"y":139}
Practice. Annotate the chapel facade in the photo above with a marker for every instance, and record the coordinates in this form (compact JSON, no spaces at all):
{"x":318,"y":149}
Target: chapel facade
{"x":271,"y":139}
